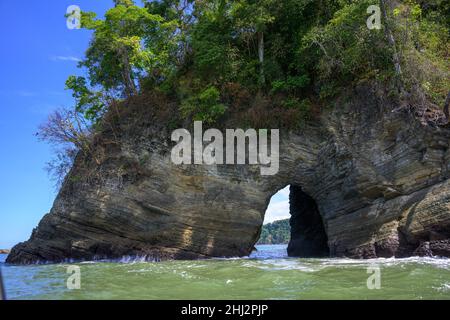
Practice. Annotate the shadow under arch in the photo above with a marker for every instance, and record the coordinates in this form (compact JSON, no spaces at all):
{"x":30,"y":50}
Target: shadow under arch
{"x":308,"y":237}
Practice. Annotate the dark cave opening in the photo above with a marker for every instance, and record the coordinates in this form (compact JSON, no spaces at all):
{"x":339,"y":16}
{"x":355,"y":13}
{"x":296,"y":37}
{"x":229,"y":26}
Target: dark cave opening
{"x":292,"y":217}
{"x":308,"y":235}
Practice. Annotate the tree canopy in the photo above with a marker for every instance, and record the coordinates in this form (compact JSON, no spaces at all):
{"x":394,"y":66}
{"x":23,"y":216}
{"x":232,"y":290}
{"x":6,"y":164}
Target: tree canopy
{"x":295,"y":48}
{"x":212,"y":55}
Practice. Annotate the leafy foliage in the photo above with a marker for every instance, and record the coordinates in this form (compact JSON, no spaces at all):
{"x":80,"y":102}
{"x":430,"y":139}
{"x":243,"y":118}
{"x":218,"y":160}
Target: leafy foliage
{"x":87,"y":102}
{"x":298,"y":49}
{"x":345,"y":49}
{"x":126,"y":46}
{"x":205,"y":106}
{"x":278,"y":232}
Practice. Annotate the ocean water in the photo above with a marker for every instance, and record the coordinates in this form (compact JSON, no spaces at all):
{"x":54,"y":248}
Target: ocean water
{"x":266,"y":274}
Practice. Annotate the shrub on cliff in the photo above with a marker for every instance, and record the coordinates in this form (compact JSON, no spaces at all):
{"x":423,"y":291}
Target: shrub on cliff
{"x":204,"y":106}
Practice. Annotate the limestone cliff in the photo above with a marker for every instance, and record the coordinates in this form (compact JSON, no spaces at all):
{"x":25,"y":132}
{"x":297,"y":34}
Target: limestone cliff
{"x":374,"y":183}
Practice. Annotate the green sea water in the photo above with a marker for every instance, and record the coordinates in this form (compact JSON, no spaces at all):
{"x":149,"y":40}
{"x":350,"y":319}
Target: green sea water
{"x":266,"y":274}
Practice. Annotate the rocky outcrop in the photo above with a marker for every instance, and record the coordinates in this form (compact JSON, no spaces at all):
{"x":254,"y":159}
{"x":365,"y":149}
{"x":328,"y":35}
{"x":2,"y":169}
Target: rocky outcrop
{"x":379,"y":180}
{"x":4,"y":251}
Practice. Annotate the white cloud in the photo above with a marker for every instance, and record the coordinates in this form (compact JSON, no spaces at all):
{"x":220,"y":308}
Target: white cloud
{"x":21,"y":93}
{"x":29,"y":93}
{"x":278,"y":208}
{"x":277,"y":211}
{"x":65,"y":58}
{"x":25,"y":93}
{"x":284,"y":191}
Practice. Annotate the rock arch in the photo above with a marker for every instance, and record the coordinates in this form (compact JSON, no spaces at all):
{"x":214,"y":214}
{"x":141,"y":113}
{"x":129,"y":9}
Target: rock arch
{"x":379,"y":179}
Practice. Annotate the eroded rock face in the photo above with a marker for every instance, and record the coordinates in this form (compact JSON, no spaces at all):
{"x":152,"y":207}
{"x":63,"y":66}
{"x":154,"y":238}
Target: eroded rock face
{"x":379,"y":179}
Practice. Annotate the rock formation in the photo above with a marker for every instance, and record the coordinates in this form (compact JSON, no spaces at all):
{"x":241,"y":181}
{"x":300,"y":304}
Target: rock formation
{"x":374,"y":183}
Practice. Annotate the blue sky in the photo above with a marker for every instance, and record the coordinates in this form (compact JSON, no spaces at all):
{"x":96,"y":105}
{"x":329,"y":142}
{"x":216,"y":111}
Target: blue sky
{"x":38,"y":53}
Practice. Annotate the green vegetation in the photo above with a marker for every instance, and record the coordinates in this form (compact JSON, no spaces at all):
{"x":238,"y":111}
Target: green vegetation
{"x":278,"y":232}
{"x":286,"y":50}
{"x":276,"y":63}
{"x":205,"y":106}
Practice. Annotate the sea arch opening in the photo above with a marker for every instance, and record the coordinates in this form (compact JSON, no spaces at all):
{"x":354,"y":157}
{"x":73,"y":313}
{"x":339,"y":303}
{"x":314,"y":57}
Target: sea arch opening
{"x":307,"y":233}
